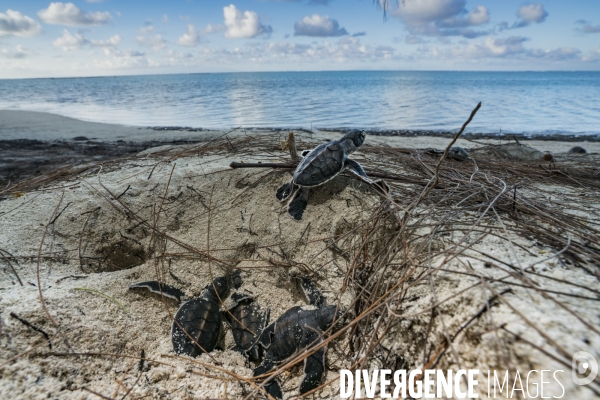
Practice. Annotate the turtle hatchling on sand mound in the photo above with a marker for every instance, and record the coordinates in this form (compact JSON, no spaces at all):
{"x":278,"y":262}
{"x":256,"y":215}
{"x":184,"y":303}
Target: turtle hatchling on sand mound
{"x":318,"y":166}
{"x":296,"y":330}
{"x":197,"y":324}
{"x":247,"y":320}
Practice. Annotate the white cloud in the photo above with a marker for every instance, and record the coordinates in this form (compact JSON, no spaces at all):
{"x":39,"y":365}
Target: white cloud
{"x":164,"y":18}
{"x":529,"y":14}
{"x":117,"y":59}
{"x":345,"y":49}
{"x":68,"y":14}
{"x":594,"y":55}
{"x":70,"y":42}
{"x":147,"y":28}
{"x":442,"y":18}
{"x":190,"y":38}
{"x":318,"y":25}
{"x":155,"y":42}
{"x":212,"y":29}
{"x":19,"y":52}
{"x":17,"y":24}
{"x":533,"y":13}
{"x":243,"y":25}
{"x":478,"y":16}
{"x":111,"y":42}
{"x":509,"y":49}
{"x":77,"y":41}
{"x":413,"y":39}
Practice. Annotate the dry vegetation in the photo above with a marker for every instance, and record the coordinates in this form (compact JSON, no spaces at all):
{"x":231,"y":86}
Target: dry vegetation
{"x":495,"y":267}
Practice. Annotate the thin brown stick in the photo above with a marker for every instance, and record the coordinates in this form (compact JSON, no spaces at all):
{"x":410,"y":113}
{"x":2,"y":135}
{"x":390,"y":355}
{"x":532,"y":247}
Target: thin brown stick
{"x":39,"y":255}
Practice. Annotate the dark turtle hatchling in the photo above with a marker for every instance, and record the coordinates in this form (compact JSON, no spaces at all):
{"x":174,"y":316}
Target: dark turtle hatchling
{"x":294,"y":331}
{"x":247,"y":320}
{"x":197,"y":323}
{"x":318,"y":166}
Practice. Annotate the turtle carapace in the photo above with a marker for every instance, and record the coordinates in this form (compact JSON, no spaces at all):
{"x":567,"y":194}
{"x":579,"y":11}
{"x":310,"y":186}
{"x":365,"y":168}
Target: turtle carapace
{"x":318,"y":166}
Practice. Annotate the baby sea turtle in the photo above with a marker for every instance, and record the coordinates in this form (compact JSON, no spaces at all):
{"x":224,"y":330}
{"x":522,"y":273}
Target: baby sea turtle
{"x":297,"y":329}
{"x":197,"y":323}
{"x":247,"y":321}
{"x":318,"y":166}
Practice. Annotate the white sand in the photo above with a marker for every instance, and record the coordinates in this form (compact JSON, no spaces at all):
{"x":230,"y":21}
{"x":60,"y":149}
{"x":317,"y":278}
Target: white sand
{"x":245,"y":218}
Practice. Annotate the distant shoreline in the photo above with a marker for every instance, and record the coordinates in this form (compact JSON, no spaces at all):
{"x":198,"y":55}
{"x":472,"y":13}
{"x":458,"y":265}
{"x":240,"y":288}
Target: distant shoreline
{"x":45,"y":126}
{"x":34,"y":143}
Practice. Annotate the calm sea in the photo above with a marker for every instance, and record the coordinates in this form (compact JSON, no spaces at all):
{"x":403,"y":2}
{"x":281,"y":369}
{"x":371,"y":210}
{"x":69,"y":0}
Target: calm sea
{"x":515,"y":102}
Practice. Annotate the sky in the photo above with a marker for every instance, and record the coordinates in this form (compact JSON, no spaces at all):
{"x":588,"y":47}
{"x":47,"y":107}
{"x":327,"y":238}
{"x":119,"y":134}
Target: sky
{"x":110,"y":37}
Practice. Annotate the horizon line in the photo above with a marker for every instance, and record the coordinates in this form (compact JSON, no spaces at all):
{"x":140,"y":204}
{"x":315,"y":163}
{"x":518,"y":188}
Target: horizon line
{"x":297,"y":71}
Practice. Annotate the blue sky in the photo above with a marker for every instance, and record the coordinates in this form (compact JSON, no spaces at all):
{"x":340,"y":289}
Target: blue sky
{"x":110,"y":37}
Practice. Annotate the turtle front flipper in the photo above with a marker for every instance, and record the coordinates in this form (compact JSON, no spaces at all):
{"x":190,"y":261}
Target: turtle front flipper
{"x":285,"y":191}
{"x":160,"y":288}
{"x":314,"y":368}
{"x":356,"y":168}
{"x":298,"y":204}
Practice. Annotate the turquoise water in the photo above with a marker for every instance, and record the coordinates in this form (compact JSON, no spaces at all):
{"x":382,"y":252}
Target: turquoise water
{"x":515,"y":102}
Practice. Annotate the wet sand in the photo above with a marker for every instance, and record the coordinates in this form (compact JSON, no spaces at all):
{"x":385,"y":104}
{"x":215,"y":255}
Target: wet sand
{"x":35,"y":143}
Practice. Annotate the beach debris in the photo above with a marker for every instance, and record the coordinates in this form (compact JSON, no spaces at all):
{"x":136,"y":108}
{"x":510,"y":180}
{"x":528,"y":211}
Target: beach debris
{"x":30,"y":325}
{"x":456,"y":153}
{"x":121,"y":306}
{"x":318,"y":166}
{"x":247,"y":321}
{"x":197,"y":324}
{"x":513,"y":152}
{"x":577,"y":150}
{"x":290,"y":145}
{"x":297,"y":329}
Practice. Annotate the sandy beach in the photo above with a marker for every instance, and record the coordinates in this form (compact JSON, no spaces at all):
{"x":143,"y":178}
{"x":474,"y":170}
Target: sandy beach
{"x":494,"y":269}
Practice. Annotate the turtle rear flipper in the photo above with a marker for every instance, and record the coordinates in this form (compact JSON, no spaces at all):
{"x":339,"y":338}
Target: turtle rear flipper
{"x":285,"y":191}
{"x":314,"y":368}
{"x":298,"y":204}
{"x":272,"y":387}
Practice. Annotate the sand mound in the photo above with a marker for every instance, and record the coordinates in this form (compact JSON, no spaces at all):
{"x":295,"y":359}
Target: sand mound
{"x":466,"y":279}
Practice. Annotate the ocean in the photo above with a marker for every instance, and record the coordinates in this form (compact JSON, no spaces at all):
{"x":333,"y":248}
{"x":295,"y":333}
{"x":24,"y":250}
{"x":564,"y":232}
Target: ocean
{"x":513,"y":102}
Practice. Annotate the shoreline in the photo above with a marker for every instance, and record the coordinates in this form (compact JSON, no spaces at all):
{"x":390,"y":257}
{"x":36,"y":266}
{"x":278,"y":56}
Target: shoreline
{"x":34,"y":143}
{"x":19,"y":124}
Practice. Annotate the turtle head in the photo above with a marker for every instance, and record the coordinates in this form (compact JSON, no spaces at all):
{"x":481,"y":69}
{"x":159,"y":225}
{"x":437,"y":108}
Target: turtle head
{"x":357,"y":137}
{"x":329,"y":315}
{"x":219,"y":286}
